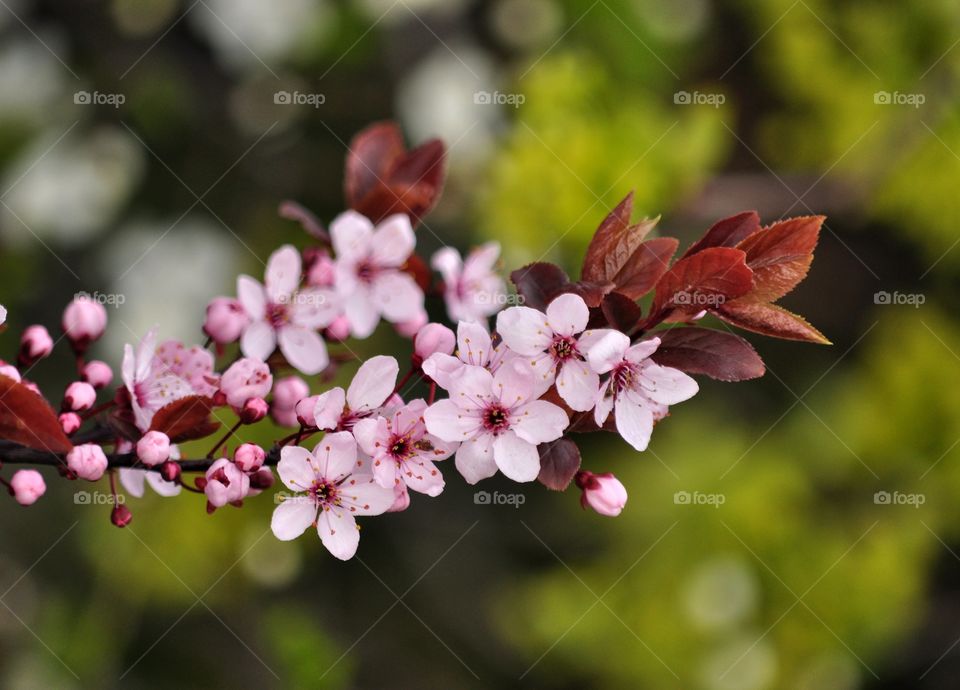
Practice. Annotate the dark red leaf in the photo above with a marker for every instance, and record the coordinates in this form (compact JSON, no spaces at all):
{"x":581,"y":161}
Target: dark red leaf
{"x":647,"y":265}
{"x":769,"y":319}
{"x":621,"y":312}
{"x":728,"y":232}
{"x":614,"y":243}
{"x":717,"y":354}
{"x":27,"y":418}
{"x":185,"y":419}
{"x":707,"y":278}
{"x":559,"y":462}
{"x":780,"y":256}
{"x":382,"y":177}
{"x":541,"y":282}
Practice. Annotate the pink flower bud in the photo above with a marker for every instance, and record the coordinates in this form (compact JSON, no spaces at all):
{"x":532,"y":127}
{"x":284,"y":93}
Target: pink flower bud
{"x":27,"y":486}
{"x":305,"y":409}
{"x":153,"y":448}
{"x":339,"y":329}
{"x":79,"y":396}
{"x":321,"y":272}
{"x":253,"y":410}
{"x":225,"y":483}
{"x":98,"y":374}
{"x":35,"y":344}
{"x":69,"y":422}
{"x":602,"y":492}
{"x":87,"y":461}
{"x":288,"y":391}
{"x":32,"y":386}
{"x":170,"y":471}
{"x":408,"y":329}
{"x":9,"y":371}
{"x":261,"y":479}
{"x":84,"y":320}
{"x":434,"y":337}
{"x":121,"y":515}
{"x":225,"y":320}
{"x":246,"y":378}
{"x":249,"y":457}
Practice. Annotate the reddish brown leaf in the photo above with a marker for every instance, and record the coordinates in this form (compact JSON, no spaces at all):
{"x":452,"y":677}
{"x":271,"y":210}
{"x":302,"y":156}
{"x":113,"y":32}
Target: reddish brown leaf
{"x":707,"y":278}
{"x":559,"y":462}
{"x":382,"y":177}
{"x":185,"y":419}
{"x":541,"y":282}
{"x":620,"y":312}
{"x":728,"y":232}
{"x":717,"y":354}
{"x":614,"y":243}
{"x":769,"y":319}
{"x":26,"y":418}
{"x":780,"y":256}
{"x":645,"y":267}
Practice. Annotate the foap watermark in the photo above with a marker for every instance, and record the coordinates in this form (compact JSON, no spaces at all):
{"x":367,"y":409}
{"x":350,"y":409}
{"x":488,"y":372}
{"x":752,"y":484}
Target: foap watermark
{"x":496,"y":498}
{"x":499,"y":98}
{"x":699,"y":98}
{"x":307,"y":298}
{"x":913,"y":299}
{"x":501,"y":299}
{"x":314,"y":100}
{"x":97,"y":98}
{"x":897,"y":98}
{"x":97,"y":498}
{"x":698,"y":498}
{"x":107,"y":299}
{"x":897,"y":498}
{"x":699,"y":299}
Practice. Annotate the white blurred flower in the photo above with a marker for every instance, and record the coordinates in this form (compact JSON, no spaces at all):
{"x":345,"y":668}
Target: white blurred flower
{"x":31,"y":79}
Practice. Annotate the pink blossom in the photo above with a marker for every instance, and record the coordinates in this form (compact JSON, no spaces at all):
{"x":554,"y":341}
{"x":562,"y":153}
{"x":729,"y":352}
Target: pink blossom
{"x":549,"y":343}
{"x":471,"y":288}
{"x":9,"y":371}
{"x":194,"y":365}
{"x":150,"y":382}
{"x":474,"y":347}
{"x":287,"y":393}
{"x":27,"y":486}
{"x":84,"y":320}
{"x":87,"y":461}
{"x":153,"y":448}
{"x":321,"y":271}
{"x":371,"y":387}
{"x":249,"y":457}
{"x":246,"y":378}
{"x":330,"y":494}
{"x":69,"y":422}
{"x":304,"y":411}
{"x":339,"y":329}
{"x":253,"y":410}
{"x":369,"y":275}
{"x":225,"y":483}
{"x":78,"y":397}
{"x":402,"y":451}
{"x":134,"y":479}
{"x":225,"y":320}
{"x":602,"y":492}
{"x":281,"y":314}
{"x":498,"y":420}
{"x":409,"y":328}
{"x":433,"y":337}
{"x":35,"y":344}
{"x":638,"y":390}
{"x":98,"y":374}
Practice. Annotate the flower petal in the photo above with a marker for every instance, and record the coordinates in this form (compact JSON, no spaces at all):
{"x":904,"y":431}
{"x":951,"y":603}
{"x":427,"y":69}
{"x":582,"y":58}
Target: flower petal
{"x":258,"y":340}
{"x":603,"y":405}
{"x":336,"y":455}
{"x":314,"y":307}
{"x":361,"y":495}
{"x":604,"y":348}
{"x":252,"y":296}
{"x":328,"y":408}
{"x":423,"y":477}
{"x":393,"y":241}
{"x":639,"y":352}
{"x":283,"y":274}
{"x":473,"y":343}
{"x":397,"y":296}
{"x":539,"y":422}
{"x":373,"y":383}
{"x":440,"y":368}
{"x":304,"y":349}
{"x":516,"y":458}
{"x":634,"y":422}
{"x":292,"y":517}
{"x":297,"y":468}
{"x":568,"y":314}
{"x":132,"y":480}
{"x":666,"y":385}
{"x":450,"y":423}
{"x":351,"y":233}
{"x":524,"y":330}
{"x":362,"y":313}
{"x":447,"y":263}
{"x":475,"y":459}
{"x":369,"y":432}
{"x":161,"y":486}
{"x":513,"y":384}
{"x":578,"y":384}
{"x":339,"y":533}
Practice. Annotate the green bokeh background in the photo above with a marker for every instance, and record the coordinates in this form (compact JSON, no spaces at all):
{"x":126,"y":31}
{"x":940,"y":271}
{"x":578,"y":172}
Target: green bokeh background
{"x":793,"y":576}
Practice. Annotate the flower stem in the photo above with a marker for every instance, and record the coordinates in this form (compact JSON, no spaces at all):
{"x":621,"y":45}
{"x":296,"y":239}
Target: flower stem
{"x":226,"y":437}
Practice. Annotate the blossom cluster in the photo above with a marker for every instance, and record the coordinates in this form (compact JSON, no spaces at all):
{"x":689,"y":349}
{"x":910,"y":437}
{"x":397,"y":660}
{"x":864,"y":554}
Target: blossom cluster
{"x":498,"y":390}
